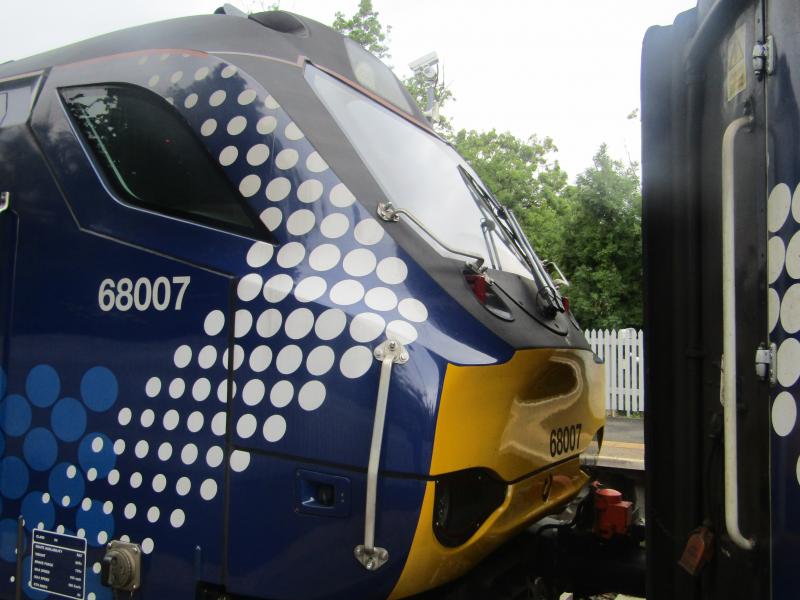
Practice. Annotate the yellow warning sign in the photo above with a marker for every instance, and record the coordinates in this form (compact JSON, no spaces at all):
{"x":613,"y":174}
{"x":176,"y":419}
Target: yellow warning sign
{"x":736,"y":81}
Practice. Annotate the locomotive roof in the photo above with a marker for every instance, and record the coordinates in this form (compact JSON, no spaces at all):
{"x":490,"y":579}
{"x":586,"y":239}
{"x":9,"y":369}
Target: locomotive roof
{"x":276,"y":34}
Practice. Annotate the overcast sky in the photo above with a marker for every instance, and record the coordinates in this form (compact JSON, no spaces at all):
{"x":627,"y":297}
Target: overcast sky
{"x":568,"y":69}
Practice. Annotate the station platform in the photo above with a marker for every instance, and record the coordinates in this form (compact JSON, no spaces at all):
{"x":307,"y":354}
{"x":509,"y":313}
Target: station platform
{"x":623,"y":444}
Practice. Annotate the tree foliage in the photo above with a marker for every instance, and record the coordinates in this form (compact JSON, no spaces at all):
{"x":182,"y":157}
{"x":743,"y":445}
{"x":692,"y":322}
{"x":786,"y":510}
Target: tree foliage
{"x":365,"y":28}
{"x":602,"y":245}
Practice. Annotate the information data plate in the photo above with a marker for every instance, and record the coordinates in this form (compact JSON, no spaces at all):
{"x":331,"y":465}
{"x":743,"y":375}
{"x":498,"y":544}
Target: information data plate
{"x":58,"y":564}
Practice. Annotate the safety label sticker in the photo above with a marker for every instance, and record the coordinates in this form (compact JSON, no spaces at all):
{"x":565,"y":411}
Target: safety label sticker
{"x":58,"y":564}
{"x":736,"y":80}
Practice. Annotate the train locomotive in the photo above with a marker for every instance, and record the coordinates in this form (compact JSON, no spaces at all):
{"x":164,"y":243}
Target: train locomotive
{"x":265,"y":334}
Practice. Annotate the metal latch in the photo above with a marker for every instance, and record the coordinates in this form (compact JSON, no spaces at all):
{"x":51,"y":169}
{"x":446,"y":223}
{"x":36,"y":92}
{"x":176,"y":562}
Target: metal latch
{"x":389,"y":353}
{"x":766,"y":363}
{"x":764,"y":58}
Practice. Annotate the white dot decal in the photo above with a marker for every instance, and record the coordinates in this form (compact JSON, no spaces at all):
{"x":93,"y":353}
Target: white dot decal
{"x":249,"y":287}
{"x":217,"y":98}
{"x":208,"y":489}
{"x":300,"y":222}
{"x":788,"y":362}
{"x":153,"y":81}
{"x":141,"y":449}
{"x":356,"y":361}
{"x":183,"y":486}
{"x":228,"y":156}
{"x":776,"y":254}
{"x":299,"y":323}
{"x":330,"y":324}
{"x":773,"y":308}
{"x":260,"y":359}
{"x":784,"y":414}
{"x":310,"y":289}
{"x":324,"y":257}
{"x":269,"y":323}
{"x":246,"y":97}
{"x":311,"y":395}
{"x":148,"y":418}
{"x":201,"y":73}
{"x":334,"y":226}
{"x":246,"y":426}
{"x":242,"y":323}
{"x":183,"y":356}
{"x":195,"y":421}
{"x":177,"y":518}
{"x":159,"y":483}
{"x":91,"y":474}
{"x":190,"y":101}
{"x":253,"y":392}
{"x":401,"y":331}
{"x":152,"y":387}
{"x":201,"y":389}
{"x":189,"y":454}
{"x":266,"y":125}
{"x":249,"y":186}
{"x":341,"y":196}
{"x":380,"y":298}
{"x":148,"y":546}
{"x":176,"y":77}
{"x":86,"y":505}
{"x":278,"y":189}
{"x":237,"y":125}
{"x":291,"y":254}
{"x":790,"y":310}
{"x":796,"y":203}
{"x":793,"y":257}
{"x":292,"y":132}
{"x":347,"y":292}
{"x":274,"y":428}
{"x":208,"y":127}
{"x":281,"y":393}
{"x":119,"y":447}
{"x":778,"y":206}
{"x":176,"y":388}
{"x":219,"y":424}
{"x":228,"y":72}
{"x":365,"y":327}
{"x":72,"y":470}
{"x":359,"y":262}
{"x":171,"y":419}
{"x":238,"y":357}
{"x":271,"y":103}
{"x":309,"y":191}
{"x":368,"y":232}
{"x":286,"y":159}
{"x":320,"y":360}
{"x":271,"y":218}
{"x":124,"y":417}
{"x":257,"y":155}
{"x":392,"y":270}
{"x":315,"y":164}
{"x":108,"y":507}
{"x":214,"y":322}
{"x":130,"y":510}
{"x":165,"y":451}
{"x":413,"y":310}
{"x":154,"y":514}
{"x":289,"y":359}
{"x":259,"y":254}
{"x":214,"y":457}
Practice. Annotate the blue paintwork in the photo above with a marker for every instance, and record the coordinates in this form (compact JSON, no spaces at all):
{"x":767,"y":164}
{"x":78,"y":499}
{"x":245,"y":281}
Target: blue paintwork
{"x":784,"y":168}
{"x":72,"y":370}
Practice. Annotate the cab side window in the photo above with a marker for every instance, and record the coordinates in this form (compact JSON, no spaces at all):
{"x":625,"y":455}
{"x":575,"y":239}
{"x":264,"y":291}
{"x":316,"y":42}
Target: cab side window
{"x":153,"y":159}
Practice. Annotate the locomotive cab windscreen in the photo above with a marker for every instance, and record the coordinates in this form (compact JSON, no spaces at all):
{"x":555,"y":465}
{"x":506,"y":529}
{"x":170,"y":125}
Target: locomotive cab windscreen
{"x":298,"y":348}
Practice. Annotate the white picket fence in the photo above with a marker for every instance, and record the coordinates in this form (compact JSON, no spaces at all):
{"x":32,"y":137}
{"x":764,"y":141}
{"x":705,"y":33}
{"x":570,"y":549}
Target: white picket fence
{"x":622,"y":352}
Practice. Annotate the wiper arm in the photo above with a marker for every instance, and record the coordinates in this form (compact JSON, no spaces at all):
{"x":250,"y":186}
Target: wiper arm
{"x":390,"y":213}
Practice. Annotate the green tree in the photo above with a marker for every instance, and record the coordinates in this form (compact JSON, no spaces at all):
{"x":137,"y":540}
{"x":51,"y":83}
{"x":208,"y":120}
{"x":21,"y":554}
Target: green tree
{"x":602,"y":245}
{"x":365,"y":28}
{"x":523,"y":176}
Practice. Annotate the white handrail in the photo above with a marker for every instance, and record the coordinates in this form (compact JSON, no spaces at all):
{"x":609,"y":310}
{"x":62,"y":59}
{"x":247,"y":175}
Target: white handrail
{"x":728,"y":375}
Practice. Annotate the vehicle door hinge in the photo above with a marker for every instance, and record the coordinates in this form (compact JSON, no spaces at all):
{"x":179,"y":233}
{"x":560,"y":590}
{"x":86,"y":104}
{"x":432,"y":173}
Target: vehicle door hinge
{"x":764,"y":58}
{"x":5,"y":201}
{"x":766,"y":363}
